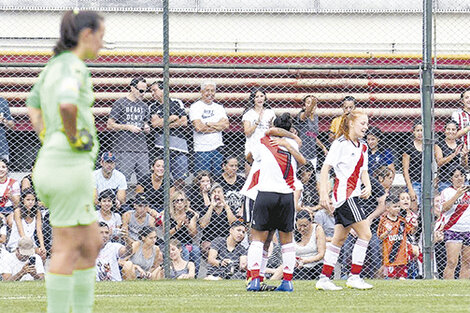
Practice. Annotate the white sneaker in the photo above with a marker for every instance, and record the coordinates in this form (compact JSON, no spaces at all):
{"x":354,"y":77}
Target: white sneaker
{"x":325,"y":283}
{"x":356,"y":282}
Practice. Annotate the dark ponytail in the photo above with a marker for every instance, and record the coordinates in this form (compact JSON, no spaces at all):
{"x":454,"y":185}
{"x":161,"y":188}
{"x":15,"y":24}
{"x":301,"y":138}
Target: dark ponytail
{"x":73,"y":22}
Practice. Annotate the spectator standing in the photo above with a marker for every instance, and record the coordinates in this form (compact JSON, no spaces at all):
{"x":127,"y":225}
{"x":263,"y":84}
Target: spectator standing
{"x":109,"y":178}
{"x":129,"y":118}
{"x":307,"y":127}
{"x":257,"y":119}
{"x":6,"y":122}
{"x":462,"y":118}
{"x":455,"y":202}
{"x":9,"y":190}
{"x":22,"y":264}
{"x":178,"y":122}
{"x":378,"y":155}
{"x":107,"y":267}
{"x":232,"y":183}
{"x":347,"y":105}
{"x":227,"y":255}
{"x":412,"y":159}
{"x":447,"y":152}
{"x":209,"y":119}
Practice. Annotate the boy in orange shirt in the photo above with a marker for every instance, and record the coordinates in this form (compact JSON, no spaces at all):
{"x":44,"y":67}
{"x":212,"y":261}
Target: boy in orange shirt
{"x":393,"y":230}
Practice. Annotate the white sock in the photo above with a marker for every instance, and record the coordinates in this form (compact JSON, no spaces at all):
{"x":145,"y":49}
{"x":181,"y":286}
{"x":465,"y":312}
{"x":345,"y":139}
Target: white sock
{"x":264,"y":263}
{"x":358,"y":256}
{"x":288,"y":260}
{"x":255,"y":257}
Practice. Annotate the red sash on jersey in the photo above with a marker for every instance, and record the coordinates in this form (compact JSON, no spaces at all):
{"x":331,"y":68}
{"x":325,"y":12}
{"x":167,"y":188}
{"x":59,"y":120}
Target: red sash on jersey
{"x":4,"y":199}
{"x":283,"y":159}
{"x":254,"y":180}
{"x":353,"y":179}
{"x":459,"y":210}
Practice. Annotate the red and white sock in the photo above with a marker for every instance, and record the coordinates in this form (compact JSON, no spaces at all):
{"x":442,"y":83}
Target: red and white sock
{"x":358,"y":256}
{"x":330,"y":259}
{"x":255,"y":257}
{"x":264,"y":263}
{"x":288,"y":261}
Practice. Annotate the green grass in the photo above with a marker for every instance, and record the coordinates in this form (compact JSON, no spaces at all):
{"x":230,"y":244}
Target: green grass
{"x":230,"y":296}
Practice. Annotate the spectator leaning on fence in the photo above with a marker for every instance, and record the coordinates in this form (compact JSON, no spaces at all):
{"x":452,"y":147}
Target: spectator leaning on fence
{"x":6,"y":122}
{"x":227,"y":256}
{"x":9,"y":190}
{"x":109,"y":178}
{"x":347,"y":105}
{"x":178,"y":121}
{"x":21,"y":264}
{"x":209,"y":120}
{"x":129,"y":117}
{"x":307,"y":127}
{"x":107,"y":267}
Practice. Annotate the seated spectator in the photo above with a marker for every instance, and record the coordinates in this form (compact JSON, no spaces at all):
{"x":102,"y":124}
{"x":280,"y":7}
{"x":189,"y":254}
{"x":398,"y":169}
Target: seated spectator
{"x":145,"y":259}
{"x":133,"y":221}
{"x":227,"y":256}
{"x":216,"y":219}
{"x":106,"y":201}
{"x":129,"y":119}
{"x":447,"y":152}
{"x":198,"y":192}
{"x":412,"y":159}
{"x":232,"y":183}
{"x":307,"y":127}
{"x":9,"y":189}
{"x":456,"y":220}
{"x":3,"y":232}
{"x":107,"y":177}
{"x":151,"y":186}
{"x":26,"y":182}
{"x":22,"y":264}
{"x":393,"y":231}
{"x":347,"y":105}
{"x":26,"y":221}
{"x":183,"y":227}
{"x":178,"y":122}
{"x":310,"y":247}
{"x":107,"y":267}
{"x":326,"y":220}
{"x":209,"y":119}
{"x":6,"y":122}
{"x":180,"y":268}
{"x":309,"y":196}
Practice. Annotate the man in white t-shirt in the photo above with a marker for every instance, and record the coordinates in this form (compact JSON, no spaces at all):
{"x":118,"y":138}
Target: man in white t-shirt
{"x":107,"y":266}
{"x":107,"y":177}
{"x":209,"y":120}
{"x":23,"y":264}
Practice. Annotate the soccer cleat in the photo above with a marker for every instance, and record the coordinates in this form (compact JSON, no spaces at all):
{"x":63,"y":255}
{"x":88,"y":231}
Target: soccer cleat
{"x":266,"y":287}
{"x":286,"y":285}
{"x":254,"y":285}
{"x":325,"y":283}
{"x":356,"y":282}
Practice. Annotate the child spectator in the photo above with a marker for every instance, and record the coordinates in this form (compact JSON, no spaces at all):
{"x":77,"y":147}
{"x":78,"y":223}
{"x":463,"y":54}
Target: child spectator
{"x":180,"y":268}
{"x":393,"y":231}
{"x":106,"y":208}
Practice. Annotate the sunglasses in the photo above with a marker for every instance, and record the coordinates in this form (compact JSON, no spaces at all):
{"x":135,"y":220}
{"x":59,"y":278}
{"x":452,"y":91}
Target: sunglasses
{"x":178,"y":200}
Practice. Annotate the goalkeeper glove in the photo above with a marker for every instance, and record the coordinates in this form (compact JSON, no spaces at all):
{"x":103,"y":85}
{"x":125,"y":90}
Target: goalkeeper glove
{"x":82,"y":141}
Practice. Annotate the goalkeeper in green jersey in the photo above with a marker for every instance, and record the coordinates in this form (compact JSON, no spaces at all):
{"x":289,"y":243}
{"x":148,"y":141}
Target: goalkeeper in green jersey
{"x":59,"y":107}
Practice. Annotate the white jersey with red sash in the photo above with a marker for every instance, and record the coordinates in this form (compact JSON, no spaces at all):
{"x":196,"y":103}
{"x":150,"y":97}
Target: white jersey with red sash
{"x":458,"y":217}
{"x":462,"y":119}
{"x":348,"y":161}
{"x":9,"y":188}
{"x":277,"y":167}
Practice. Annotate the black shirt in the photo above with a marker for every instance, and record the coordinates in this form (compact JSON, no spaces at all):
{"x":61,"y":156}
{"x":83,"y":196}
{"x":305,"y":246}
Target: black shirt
{"x":182,"y":234}
{"x":154,"y":196}
{"x":370,"y":205}
{"x":232,"y":194}
{"x":415,"y":161}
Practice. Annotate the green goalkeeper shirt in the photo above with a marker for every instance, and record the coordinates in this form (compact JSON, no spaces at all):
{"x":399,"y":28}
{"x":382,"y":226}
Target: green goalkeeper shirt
{"x":65,"y":79}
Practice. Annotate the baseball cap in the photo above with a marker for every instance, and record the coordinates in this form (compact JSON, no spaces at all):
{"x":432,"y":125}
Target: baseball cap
{"x":26,"y":246}
{"x":140,"y":199}
{"x":108,"y":157}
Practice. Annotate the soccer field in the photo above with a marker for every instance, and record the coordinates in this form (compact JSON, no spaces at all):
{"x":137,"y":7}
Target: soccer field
{"x":230,"y":296}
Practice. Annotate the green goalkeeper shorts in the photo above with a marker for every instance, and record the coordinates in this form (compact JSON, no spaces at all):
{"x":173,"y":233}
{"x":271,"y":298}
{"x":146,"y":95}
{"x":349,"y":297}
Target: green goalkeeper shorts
{"x":64,"y":182}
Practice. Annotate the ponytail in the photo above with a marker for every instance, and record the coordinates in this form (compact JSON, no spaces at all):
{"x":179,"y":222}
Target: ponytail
{"x":344,"y":124}
{"x":73,"y":22}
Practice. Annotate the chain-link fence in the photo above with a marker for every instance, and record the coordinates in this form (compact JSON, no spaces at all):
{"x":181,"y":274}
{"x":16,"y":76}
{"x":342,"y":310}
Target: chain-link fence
{"x":234,"y":67}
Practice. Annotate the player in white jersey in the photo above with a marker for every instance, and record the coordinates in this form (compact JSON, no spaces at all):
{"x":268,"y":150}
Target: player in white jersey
{"x":455,"y":201}
{"x":462,"y":118}
{"x":348,"y":158}
{"x":274,"y":206}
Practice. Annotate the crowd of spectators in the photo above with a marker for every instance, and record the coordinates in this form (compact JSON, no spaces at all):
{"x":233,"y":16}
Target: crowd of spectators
{"x":208,"y":236}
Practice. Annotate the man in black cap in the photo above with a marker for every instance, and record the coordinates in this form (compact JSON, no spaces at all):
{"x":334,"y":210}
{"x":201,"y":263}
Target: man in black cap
{"x":129,"y":118}
{"x":133,"y":221}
